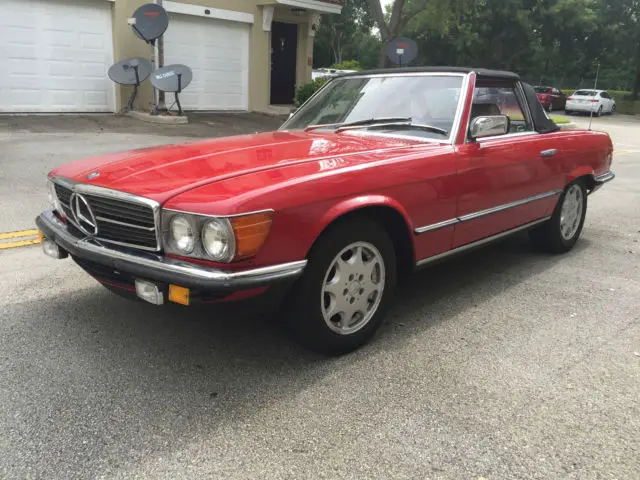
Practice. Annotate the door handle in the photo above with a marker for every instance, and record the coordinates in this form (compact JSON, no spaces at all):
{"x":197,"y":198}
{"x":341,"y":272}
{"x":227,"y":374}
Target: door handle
{"x":548,"y":153}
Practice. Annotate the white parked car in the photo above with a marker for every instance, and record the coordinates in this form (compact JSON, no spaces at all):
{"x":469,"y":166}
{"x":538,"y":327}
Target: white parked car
{"x":587,"y":101}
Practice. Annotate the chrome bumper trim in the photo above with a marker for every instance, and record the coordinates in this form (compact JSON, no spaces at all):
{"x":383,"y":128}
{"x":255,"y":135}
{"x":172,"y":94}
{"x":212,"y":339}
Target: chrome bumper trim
{"x":601,"y":179}
{"x":157,"y":267}
{"x":605,"y":177}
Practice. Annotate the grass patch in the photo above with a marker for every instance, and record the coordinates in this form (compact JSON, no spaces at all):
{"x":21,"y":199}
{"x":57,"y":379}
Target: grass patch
{"x":559,"y":120}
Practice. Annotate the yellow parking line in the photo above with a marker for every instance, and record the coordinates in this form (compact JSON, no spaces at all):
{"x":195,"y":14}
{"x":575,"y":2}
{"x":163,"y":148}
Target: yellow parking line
{"x":21,"y":243}
{"x":22,"y":233}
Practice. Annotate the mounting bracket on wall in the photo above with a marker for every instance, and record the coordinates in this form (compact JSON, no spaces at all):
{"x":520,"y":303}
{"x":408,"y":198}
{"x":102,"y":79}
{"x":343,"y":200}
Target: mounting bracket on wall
{"x":314,"y":23}
{"x":267,"y":17}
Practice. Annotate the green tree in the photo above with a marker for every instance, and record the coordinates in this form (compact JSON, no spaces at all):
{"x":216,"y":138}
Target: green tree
{"x":339,"y":34}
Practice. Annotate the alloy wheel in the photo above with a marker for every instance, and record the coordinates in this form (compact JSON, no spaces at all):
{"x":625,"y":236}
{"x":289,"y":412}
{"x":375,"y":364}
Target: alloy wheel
{"x":352,"y":288}
{"x":571,"y":213}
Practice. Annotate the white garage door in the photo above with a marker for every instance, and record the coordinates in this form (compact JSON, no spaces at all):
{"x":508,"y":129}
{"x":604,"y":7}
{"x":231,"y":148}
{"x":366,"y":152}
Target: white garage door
{"x":54,"y":56}
{"x":218,"y":53}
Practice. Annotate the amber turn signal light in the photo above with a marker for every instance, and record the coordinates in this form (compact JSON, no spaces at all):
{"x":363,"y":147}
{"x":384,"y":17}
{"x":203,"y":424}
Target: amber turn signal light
{"x":250,"y":232}
{"x":178,"y":294}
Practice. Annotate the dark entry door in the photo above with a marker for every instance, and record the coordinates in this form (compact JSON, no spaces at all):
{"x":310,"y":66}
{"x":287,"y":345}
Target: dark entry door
{"x":284,"y":43}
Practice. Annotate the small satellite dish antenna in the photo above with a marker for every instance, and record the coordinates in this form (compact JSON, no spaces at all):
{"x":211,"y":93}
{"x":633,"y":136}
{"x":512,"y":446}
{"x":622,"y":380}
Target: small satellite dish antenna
{"x":402,"y":51}
{"x":132,"y":71}
{"x":149,"y":22}
{"x":172,"y":78}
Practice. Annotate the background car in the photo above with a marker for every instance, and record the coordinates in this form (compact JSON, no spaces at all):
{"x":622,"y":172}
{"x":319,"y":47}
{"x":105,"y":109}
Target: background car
{"x":551,"y":98}
{"x":587,"y":101}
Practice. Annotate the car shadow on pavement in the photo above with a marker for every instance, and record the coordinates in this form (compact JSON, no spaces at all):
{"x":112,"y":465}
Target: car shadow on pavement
{"x":137,"y":381}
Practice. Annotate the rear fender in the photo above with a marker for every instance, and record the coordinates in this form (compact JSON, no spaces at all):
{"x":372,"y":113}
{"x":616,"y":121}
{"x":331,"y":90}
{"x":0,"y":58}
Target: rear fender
{"x":582,"y":171}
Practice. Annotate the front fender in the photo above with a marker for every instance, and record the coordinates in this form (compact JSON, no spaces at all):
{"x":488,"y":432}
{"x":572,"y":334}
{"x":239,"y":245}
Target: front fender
{"x":360,"y":203}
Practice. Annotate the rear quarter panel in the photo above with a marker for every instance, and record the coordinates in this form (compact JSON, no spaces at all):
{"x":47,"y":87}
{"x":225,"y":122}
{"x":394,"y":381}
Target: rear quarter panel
{"x":581,"y":152}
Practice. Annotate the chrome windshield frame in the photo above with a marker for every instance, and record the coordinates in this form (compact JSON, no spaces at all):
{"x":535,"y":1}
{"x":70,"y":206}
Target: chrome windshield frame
{"x":457,"y":120}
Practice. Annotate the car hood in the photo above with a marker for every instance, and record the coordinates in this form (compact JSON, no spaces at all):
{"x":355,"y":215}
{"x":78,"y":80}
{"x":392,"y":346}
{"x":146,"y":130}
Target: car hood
{"x":164,"y":171}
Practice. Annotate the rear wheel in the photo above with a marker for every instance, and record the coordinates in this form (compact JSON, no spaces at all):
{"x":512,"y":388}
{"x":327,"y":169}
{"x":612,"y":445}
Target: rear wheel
{"x":561,"y":232}
{"x":613,"y":109}
{"x":599,"y":114}
{"x":346,"y":289}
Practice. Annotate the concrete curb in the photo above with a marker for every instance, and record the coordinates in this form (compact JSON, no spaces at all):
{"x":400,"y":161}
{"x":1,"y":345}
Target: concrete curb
{"x":160,"y":119}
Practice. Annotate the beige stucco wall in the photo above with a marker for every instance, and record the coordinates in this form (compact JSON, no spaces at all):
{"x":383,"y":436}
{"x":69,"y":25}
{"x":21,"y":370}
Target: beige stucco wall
{"x":127,"y":44}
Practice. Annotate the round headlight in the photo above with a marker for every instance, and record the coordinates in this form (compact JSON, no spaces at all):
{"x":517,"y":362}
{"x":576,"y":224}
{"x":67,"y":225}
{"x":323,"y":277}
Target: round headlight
{"x":218,"y":240}
{"x":182,"y":234}
{"x":51,"y":193}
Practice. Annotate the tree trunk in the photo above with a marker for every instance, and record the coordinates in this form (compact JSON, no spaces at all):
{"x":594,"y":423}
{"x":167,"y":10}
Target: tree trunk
{"x":382,"y":59}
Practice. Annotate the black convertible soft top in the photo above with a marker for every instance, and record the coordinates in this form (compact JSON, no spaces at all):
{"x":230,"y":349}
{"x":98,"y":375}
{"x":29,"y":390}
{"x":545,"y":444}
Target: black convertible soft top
{"x":541,"y":122}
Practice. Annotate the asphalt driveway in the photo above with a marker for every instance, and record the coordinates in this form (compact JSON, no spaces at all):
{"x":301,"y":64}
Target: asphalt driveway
{"x":501,"y":364}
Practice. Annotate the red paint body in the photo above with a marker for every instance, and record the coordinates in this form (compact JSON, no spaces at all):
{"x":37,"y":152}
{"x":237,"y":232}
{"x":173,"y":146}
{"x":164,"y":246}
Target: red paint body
{"x":311,"y":179}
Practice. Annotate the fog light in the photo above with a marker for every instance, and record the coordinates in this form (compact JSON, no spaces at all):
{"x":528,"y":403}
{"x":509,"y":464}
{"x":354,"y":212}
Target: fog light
{"x":52,"y":249}
{"x":149,"y":292}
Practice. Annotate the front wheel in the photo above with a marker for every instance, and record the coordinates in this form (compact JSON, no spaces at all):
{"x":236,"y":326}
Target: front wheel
{"x":561,"y":232}
{"x":348,"y":284}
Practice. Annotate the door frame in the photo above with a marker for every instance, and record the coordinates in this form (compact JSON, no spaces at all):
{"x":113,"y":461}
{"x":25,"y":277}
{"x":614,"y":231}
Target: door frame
{"x":295,"y":57}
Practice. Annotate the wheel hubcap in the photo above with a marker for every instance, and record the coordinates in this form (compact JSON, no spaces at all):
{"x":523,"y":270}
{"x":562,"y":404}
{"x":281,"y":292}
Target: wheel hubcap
{"x":352,"y":288}
{"x":571,"y":213}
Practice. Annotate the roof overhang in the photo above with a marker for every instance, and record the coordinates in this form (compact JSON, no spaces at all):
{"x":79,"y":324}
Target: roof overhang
{"x":312,"y":5}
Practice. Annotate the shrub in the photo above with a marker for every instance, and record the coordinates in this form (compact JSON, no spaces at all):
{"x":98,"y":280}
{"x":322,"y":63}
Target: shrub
{"x":347,"y":65}
{"x":303,"y":92}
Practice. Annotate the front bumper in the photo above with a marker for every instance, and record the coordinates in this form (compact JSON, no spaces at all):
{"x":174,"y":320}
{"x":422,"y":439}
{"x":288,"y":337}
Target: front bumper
{"x":158,"y":268}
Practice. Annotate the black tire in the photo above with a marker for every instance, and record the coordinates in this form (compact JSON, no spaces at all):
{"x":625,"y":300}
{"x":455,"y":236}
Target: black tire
{"x":304,"y":315}
{"x":613,"y":109}
{"x":599,"y":114}
{"x":568,"y":112}
{"x":548,"y":236}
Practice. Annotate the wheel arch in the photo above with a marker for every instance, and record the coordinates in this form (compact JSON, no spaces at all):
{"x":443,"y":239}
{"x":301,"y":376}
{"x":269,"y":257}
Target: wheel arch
{"x":584,"y":174}
{"x":383,"y":210}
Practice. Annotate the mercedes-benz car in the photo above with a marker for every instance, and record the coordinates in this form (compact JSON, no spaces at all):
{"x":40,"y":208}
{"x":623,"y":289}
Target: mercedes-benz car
{"x":377,"y":174}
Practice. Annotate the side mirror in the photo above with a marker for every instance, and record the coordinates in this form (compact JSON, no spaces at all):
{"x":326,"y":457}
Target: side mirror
{"x":489,"y":126}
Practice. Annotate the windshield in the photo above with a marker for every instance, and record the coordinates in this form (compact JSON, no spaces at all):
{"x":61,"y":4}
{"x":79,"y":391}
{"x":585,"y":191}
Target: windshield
{"x":424,"y":99}
{"x":543,"y":90}
{"x":585,"y":93}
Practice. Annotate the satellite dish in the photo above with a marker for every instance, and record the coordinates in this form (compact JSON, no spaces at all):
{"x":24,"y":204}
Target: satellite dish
{"x":149,"y":22}
{"x":172,"y":78}
{"x":402,"y":51}
{"x":132,"y":71}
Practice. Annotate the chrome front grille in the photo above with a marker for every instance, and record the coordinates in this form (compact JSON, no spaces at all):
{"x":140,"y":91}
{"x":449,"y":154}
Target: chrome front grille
{"x":121,"y":218}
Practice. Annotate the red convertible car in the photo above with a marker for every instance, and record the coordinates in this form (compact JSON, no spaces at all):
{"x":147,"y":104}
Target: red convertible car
{"x":377,"y":174}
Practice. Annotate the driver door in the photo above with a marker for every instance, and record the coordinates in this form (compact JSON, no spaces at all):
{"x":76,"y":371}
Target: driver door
{"x":503,"y":180}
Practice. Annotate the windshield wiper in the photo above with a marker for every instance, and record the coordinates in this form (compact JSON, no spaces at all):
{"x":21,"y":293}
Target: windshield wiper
{"x":358,"y":123}
{"x":404,"y":123}
{"x":416,"y":126}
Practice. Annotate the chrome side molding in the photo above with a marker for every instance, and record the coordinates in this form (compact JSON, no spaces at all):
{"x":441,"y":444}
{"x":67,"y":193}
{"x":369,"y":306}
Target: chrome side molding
{"x":482,"y":213}
{"x":479,"y":243}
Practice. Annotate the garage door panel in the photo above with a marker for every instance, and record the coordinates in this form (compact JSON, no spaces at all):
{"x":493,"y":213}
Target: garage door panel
{"x":218,"y":53}
{"x":57,"y":54}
